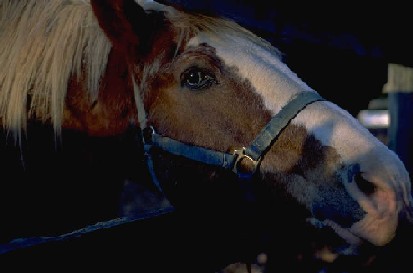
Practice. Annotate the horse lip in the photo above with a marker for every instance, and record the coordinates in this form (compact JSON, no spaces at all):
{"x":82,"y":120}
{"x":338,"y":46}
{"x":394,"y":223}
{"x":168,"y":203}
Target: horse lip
{"x":352,"y":245}
{"x":344,"y":233}
{"x":349,"y":237}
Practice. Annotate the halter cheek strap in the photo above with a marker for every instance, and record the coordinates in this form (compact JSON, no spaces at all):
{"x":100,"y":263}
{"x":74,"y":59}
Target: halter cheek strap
{"x":245,"y":161}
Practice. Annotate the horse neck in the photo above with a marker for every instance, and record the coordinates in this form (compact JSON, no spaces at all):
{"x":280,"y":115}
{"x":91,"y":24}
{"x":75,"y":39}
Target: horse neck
{"x":114,"y":109}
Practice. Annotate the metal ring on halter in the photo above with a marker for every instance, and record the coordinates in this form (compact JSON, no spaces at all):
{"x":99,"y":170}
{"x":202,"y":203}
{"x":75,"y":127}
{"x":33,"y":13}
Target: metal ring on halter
{"x":244,"y":165}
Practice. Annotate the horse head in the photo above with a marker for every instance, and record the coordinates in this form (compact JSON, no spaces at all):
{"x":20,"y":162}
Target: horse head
{"x":219,"y":109}
{"x":209,"y":83}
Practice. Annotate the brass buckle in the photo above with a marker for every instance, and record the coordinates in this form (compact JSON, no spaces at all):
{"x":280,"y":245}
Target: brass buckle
{"x":244,"y":166}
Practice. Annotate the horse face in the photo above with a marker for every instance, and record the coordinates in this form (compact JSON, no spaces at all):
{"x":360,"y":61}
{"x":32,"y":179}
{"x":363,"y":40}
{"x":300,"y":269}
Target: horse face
{"x":210,"y":83}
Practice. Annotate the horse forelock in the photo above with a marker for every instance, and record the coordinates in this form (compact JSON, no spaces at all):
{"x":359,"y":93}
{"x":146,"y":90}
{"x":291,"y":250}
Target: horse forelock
{"x":44,"y":44}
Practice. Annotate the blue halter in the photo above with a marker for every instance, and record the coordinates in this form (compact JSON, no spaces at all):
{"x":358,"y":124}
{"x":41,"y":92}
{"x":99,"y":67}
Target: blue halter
{"x":245,"y":161}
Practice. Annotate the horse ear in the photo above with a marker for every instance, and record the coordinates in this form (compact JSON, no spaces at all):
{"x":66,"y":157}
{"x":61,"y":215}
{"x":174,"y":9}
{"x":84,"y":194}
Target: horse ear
{"x":128,"y":26}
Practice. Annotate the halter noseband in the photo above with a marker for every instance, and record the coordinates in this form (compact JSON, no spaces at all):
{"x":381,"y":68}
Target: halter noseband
{"x":244,"y":161}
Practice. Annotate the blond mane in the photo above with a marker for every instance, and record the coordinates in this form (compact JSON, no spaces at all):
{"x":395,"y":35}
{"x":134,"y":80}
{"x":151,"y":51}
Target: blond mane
{"x":43,"y":43}
{"x":46,"y":42}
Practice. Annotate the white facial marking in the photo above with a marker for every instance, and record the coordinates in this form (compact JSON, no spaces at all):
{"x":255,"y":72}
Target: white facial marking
{"x":265,"y":72}
{"x":150,"y":5}
{"x":276,"y":84}
{"x":331,"y":125}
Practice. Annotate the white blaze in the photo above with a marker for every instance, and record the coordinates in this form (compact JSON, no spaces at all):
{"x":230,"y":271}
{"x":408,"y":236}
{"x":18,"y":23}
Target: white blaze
{"x":276,"y":84}
{"x":331,"y":125}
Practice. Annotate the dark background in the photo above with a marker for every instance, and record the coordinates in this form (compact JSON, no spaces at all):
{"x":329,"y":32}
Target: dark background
{"x":371,"y":29}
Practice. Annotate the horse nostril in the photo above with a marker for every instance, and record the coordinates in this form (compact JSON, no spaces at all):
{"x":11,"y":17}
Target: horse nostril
{"x":365,"y":186}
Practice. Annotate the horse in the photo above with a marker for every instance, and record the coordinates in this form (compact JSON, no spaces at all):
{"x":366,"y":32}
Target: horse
{"x":222,"y":121}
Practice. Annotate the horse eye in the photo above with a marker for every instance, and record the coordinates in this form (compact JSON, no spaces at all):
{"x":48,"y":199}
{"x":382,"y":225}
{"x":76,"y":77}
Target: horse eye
{"x":195,"y":78}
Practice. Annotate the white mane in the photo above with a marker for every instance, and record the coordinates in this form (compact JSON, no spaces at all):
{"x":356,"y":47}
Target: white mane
{"x":43,"y":44}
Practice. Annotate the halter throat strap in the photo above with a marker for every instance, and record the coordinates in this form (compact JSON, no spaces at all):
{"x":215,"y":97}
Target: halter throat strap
{"x":244,"y":161}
